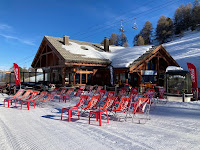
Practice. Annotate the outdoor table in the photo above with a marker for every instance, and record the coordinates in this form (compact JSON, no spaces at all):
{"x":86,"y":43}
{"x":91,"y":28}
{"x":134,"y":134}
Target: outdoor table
{"x":98,"y":113}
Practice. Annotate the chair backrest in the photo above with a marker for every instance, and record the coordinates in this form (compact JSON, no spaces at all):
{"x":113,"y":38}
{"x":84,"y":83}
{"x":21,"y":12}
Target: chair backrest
{"x":78,"y":92}
{"x":161,"y":93}
{"x":134,"y":90}
{"x":48,"y":98}
{"x":133,"y":96}
{"x":110,"y":93}
{"x":26,"y":95}
{"x":98,"y":89}
{"x":124,"y":104}
{"x":69,"y":91}
{"x":83,"y":99}
{"x":93,"y":102}
{"x":82,"y":87}
{"x":102,"y":93}
{"x":33,"y":94}
{"x":141,"y":104}
{"x":42,"y":95}
{"x":18,"y":94}
{"x":109,"y":103}
{"x":62,"y":91}
{"x":91,"y":88}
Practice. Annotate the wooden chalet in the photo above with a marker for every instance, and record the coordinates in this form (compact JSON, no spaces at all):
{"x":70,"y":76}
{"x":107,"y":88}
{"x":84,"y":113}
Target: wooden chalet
{"x":63,"y":62}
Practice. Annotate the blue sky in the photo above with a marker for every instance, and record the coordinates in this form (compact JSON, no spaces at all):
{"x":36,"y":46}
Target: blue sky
{"x":23,"y":23}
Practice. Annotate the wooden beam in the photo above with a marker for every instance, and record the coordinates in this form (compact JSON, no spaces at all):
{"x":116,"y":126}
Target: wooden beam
{"x":84,"y":64}
{"x":75,"y":75}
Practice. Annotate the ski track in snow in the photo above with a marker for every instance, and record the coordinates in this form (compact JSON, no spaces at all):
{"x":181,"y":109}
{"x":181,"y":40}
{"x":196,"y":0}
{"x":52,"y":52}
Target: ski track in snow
{"x":172,"y":126}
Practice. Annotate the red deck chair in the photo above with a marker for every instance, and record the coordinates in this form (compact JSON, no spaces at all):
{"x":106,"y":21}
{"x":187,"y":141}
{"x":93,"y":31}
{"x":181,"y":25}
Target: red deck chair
{"x":98,"y":89}
{"x":13,"y":98}
{"x":91,"y":88}
{"x":123,"y":107}
{"x":93,"y":103}
{"x":102,"y":93}
{"x":109,"y":103}
{"x":162,"y":98}
{"x":139,"y":108}
{"x":41,"y":96}
{"x":134,"y":90}
{"x":62,"y":92}
{"x":30,"y":99}
{"x":80,"y":104}
{"x":122,"y":93}
{"x":78,"y":92}
{"x":133,"y":96}
{"x":110,"y":94}
{"x":82,"y":88}
{"x":67,"y":95}
{"x":26,"y":95}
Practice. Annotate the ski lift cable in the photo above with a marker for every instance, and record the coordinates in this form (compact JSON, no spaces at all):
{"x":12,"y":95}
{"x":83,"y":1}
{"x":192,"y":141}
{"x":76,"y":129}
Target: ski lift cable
{"x":94,"y":27}
{"x":131,"y":19}
{"x":128,"y":18}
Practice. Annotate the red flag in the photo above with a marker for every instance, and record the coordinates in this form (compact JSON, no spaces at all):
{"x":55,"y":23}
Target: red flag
{"x":193,"y":73}
{"x":17,"y":74}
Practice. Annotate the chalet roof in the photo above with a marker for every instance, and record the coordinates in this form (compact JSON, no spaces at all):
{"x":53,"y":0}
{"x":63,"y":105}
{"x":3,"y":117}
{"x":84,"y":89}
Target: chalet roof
{"x":143,"y":56}
{"x":57,"y":43}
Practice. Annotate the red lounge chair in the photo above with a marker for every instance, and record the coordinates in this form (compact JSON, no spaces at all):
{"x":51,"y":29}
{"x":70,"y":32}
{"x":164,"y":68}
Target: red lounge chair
{"x":110,"y":94}
{"x":162,"y":98}
{"x":122,"y":93}
{"x":30,"y":99}
{"x":98,"y":89}
{"x":67,"y":95}
{"x":101,"y":93}
{"x":133,"y":96}
{"x":139,"y":108}
{"x":134,"y":90}
{"x":25,"y":96}
{"x":78,"y":92}
{"x":61,"y":92}
{"x":123,"y":107}
{"x":109,"y":103}
{"x":13,"y":98}
{"x":80,"y":104}
{"x":93,"y":102}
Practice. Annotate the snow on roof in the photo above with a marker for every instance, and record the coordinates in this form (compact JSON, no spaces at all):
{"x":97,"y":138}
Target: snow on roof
{"x":120,"y":56}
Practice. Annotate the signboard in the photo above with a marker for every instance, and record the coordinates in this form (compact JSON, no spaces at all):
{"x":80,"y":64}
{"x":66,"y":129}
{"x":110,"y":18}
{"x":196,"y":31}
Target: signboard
{"x":17,"y":74}
{"x":148,"y":72}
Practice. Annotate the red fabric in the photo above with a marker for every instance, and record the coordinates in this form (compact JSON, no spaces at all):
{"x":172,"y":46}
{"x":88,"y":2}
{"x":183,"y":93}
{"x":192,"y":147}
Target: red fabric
{"x":17,"y":74}
{"x":193,"y":73}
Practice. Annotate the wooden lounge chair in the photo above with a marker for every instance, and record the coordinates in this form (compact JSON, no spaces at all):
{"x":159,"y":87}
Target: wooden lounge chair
{"x":80,"y":104}
{"x":30,"y":99}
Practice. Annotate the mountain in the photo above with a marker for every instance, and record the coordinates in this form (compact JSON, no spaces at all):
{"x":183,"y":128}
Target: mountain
{"x":186,"y":49}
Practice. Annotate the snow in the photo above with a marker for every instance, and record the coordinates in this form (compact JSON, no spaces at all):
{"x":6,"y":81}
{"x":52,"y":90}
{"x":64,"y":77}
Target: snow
{"x":174,"y":125}
{"x":120,"y":56}
{"x":186,"y":49}
{"x":173,"y":68}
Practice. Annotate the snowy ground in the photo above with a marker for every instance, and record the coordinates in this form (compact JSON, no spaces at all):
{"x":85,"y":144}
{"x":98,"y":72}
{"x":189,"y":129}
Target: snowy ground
{"x":172,"y":126}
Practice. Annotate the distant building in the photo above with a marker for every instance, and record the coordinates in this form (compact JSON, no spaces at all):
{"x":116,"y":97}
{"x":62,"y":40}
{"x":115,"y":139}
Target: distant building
{"x":66,"y":61}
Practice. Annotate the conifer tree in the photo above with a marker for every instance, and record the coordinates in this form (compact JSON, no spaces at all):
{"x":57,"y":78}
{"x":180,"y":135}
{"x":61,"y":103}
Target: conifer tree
{"x":164,"y":29}
{"x":140,"y":41}
{"x":146,"y":32}
{"x":196,"y":14}
{"x":122,"y":39}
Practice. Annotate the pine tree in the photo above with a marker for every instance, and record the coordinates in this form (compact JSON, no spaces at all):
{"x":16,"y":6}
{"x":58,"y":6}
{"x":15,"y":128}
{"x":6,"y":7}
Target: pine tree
{"x":146,"y":32}
{"x":164,"y":29}
{"x":178,"y":20}
{"x":187,"y":16}
{"x":114,"y":39}
{"x":195,"y":15}
{"x":122,"y":39}
{"x":140,"y":41}
{"x":135,"y":39}
{"x":126,"y":44}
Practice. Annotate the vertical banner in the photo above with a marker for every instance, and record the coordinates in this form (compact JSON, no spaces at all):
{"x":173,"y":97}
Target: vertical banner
{"x":17,"y":74}
{"x":111,"y":75}
{"x":193,"y":73}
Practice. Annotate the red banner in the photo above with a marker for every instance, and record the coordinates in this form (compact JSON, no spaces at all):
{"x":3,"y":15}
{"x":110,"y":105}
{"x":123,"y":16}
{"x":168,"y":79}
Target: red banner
{"x":193,"y":73}
{"x":17,"y":74}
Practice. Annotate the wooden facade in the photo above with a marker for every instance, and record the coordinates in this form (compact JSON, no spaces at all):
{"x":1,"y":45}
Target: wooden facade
{"x":61,"y":70}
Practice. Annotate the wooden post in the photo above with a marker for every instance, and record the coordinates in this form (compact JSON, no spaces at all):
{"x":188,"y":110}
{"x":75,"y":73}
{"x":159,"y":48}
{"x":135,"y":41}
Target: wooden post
{"x":80,"y":76}
{"x":63,"y":70}
{"x":43,"y":75}
{"x":75,"y":75}
{"x":35,"y":75}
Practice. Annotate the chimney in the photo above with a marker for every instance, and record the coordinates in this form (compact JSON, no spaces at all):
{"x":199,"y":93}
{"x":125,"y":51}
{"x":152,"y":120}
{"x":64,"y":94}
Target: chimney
{"x":106,"y":44}
{"x":66,"y":40}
